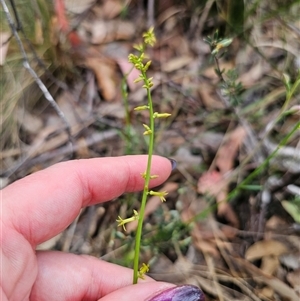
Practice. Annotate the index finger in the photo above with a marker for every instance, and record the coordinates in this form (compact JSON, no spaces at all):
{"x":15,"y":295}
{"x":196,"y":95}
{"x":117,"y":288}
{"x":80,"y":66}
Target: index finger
{"x":43,"y":204}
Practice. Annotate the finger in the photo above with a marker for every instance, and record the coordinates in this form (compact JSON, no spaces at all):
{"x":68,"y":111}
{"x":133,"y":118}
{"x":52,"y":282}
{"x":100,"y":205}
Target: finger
{"x":65,"y":276}
{"x":139,"y":292}
{"x":43,"y":204}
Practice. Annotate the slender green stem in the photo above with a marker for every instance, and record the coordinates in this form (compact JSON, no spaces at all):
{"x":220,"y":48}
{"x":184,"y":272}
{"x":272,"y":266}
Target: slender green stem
{"x":127,"y":117}
{"x":259,"y":169}
{"x":290,"y":91}
{"x":295,"y":86}
{"x":250,"y":177}
{"x":146,"y":188}
{"x":125,"y":100}
{"x":128,"y":127}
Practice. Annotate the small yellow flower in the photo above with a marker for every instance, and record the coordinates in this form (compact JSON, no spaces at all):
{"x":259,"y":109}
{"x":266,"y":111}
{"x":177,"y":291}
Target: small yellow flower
{"x":132,"y":58}
{"x":143,"y":270}
{"x":146,"y":67}
{"x":160,"y":194}
{"x":222,"y":44}
{"x":122,"y":222}
{"x":148,"y":83}
{"x":139,"y":47}
{"x":161,"y":115}
{"x":148,"y":130}
{"x":139,"y":79}
{"x":149,"y":37}
{"x":151,"y":177}
{"x":141,"y":108}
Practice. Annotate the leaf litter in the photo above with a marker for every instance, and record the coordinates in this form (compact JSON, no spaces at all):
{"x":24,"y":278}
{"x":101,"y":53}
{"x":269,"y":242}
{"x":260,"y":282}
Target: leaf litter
{"x":233,"y":245}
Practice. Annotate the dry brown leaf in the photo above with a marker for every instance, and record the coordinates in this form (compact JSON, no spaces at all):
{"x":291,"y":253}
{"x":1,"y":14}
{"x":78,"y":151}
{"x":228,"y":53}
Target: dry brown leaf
{"x":228,"y":231}
{"x":204,"y":230}
{"x":294,"y":279}
{"x":266,"y":293}
{"x":212,"y":183}
{"x":39,"y":34}
{"x":210,"y":72}
{"x":205,"y":246}
{"x":277,"y":285}
{"x":111,"y":9}
{"x":215,"y":184}
{"x":109,"y":31}
{"x":225,"y":210}
{"x":78,"y":6}
{"x":202,"y":234}
{"x":209,"y":97}
{"x":165,"y":270}
{"x":282,"y":289}
{"x":167,"y":13}
{"x":265,"y":248}
{"x":275,"y":222}
{"x":83,"y":149}
{"x":176,"y":63}
{"x":253,"y":75}
{"x":227,"y":152}
{"x":105,"y":74}
{"x":99,"y":32}
{"x":269,"y":264}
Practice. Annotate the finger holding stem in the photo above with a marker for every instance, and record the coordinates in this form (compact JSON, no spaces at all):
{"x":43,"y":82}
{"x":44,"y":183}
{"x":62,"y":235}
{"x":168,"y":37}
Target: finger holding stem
{"x":138,"y":63}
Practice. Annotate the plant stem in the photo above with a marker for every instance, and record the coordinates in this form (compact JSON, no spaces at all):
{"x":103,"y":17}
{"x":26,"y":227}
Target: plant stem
{"x":127,"y":131}
{"x":259,"y":169}
{"x":249,"y":178}
{"x":146,"y":187}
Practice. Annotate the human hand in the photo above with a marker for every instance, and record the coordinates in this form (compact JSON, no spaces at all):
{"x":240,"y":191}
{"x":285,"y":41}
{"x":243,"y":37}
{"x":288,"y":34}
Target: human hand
{"x":42,"y":205}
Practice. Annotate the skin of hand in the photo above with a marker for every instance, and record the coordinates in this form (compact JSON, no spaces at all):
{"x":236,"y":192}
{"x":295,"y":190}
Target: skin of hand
{"x":40,"y":206}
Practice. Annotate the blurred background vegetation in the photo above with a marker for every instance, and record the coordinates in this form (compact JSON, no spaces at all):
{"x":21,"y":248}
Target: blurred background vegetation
{"x":228,"y":71}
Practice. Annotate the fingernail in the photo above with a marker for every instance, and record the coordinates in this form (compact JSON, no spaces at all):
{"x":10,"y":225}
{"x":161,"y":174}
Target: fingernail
{"x":173,"y":163}
{"x":180,"y":293}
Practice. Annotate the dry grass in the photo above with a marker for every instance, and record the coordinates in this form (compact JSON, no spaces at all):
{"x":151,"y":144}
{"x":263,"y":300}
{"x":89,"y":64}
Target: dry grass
{"x":195,"y":237}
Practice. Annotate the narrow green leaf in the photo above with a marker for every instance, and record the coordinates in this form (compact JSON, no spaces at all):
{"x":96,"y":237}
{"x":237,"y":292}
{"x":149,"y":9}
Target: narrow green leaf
{"x":235,"y":16}
{"x":293,"y":209}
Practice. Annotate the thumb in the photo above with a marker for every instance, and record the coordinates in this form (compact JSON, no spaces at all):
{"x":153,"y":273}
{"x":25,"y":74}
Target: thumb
{"x":156,"y":291}
{"x":137,"y":292}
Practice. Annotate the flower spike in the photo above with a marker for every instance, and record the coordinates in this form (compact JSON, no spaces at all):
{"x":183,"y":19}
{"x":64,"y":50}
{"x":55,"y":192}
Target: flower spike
{"x":143,"y":270}
{"x":149,"y":37}
{"x":141,"y":62}
{"x":122,"y":222}
{"x":161,"y":115}
{"x":148,"y":130}
{"x":160,"y":194}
